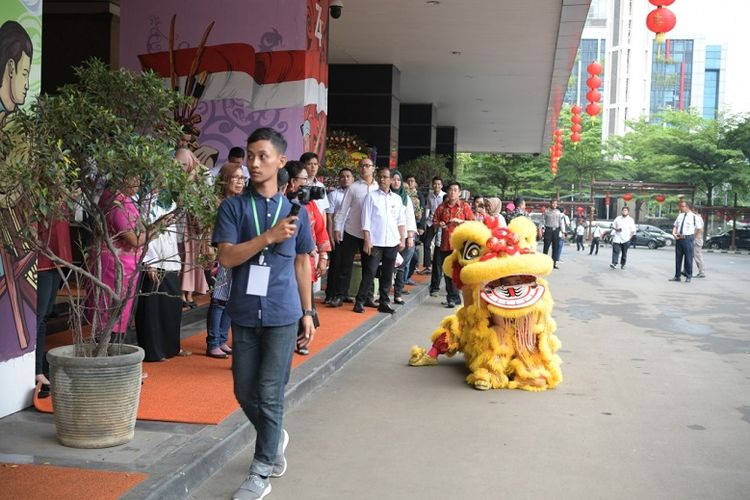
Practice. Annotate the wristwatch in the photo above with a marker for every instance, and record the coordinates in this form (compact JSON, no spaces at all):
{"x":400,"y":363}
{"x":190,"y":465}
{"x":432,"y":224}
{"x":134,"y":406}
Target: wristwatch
{"x":308,"y":312}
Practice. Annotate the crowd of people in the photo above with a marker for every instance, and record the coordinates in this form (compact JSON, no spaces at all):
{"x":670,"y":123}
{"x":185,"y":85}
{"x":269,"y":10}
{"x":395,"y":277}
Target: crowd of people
{"x":279,"y":229}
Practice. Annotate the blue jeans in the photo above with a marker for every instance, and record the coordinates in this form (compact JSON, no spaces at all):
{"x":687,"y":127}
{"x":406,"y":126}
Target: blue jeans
{"x":261,"y":364}
{"x":218,"y":324}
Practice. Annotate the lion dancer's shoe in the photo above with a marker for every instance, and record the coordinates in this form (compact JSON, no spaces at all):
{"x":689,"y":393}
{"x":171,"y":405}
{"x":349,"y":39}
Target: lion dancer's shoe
{"x":422,"y":357}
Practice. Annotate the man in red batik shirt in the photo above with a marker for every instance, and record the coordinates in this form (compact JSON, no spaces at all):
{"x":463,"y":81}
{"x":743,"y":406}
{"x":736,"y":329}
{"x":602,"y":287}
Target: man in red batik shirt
{"x":447,"y":217}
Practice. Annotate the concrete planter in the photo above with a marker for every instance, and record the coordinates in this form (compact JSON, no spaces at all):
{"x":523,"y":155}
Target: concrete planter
{"x":95,"y":399}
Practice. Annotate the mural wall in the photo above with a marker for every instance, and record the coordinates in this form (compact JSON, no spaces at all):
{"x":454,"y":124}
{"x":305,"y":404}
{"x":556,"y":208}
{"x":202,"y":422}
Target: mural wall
{"x":20,"y":64}
{"x":244,"y":63}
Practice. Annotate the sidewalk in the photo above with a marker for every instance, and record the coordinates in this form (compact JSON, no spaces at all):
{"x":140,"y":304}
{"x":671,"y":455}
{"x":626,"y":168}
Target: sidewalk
{"x":165,"y":460}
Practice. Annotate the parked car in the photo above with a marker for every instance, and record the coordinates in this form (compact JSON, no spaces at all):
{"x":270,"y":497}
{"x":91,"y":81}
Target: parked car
{"x":668,"y":238}
{"x":723,"y":240}
{"x":647,"y":239}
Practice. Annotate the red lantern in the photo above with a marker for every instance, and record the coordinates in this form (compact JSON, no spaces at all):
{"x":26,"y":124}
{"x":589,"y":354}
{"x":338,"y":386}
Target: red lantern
{"x":660,"y":198}
{"x":575,"y":137}
{"x":661,"y":3}
{"x":593,"y":109}
{"x":576,"y":127}
{"x":579,"y":210}
{"x":593,"y":96}
{"x":607,"y":198}
{"x":594,"y":82}
{"x":717,"y":214}
{"x":575,"y":110}
{"x":558,"y":133}
{"x":576,"y":119}
{"x":595,"y":68}
{"x":660,"y":21}
{"x":627,"y":196}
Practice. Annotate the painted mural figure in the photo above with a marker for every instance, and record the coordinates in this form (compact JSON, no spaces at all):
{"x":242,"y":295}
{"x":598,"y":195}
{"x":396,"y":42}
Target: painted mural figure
{"x":16,"y":51}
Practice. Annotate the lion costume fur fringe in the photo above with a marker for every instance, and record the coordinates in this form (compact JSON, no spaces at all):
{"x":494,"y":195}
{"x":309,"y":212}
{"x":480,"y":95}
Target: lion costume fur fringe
{"x":505,"y":329}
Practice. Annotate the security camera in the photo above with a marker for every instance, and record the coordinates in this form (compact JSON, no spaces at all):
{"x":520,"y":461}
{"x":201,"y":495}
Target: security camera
{"x":336,"y":6}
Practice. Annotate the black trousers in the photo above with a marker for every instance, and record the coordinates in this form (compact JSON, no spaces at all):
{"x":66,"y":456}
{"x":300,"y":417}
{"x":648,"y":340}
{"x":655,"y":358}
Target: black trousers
{"x":683,"y":251}
{"x":385,"y":257}
{"x":334,"y":265}
{"x":579,"y":243}
{"x":427,"y":239}
{"x":437,"y":269}
{"x":348,"y":247}
{"x":617,"y":249}
{"x":552,"y":237}
{"x":594,"y":243}
{"x":48,"y":282}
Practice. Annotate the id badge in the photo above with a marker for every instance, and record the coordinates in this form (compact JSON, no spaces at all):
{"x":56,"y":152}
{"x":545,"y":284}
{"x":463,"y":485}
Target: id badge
{"x":257,"y":280}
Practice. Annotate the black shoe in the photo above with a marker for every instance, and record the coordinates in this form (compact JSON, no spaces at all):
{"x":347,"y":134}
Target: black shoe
{"x":684,"y":274}
{"x":613,"y":266}
{"x":676,"y":278}
{"x":385,"y":308}
{"x":358,"y":308}
{"x":434,"y":293}
{"x":335,"y":302}
{"x":348,"y":300}
{"x":687,"y":280}
{"x":303,"y":351}
{"x":622,"y":266}
{"x":43,"y":391}
{"x":371,"y":303}
{"x":554,"y":266}
{"x":449,"y":305}
{"x":327,"y":300}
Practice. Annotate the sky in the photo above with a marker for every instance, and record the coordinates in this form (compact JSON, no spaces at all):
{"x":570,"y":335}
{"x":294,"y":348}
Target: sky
{"x":721,"y":21}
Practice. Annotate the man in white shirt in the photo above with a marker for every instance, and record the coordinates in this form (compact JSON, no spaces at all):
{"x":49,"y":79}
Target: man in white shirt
{"x":684,"y":232}
{"x":348,"y":230}
{"x":312,"y":165}
{"x":596,"y":235}
{"x":335,"y":197}
{"x":623,"y":229}
{"x":236,"y":155}
{"x":384,"y":229}
{"x":434,"y":199}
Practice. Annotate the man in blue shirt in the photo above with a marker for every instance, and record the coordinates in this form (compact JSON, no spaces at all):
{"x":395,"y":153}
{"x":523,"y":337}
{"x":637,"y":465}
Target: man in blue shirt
{"x":267,"y":250}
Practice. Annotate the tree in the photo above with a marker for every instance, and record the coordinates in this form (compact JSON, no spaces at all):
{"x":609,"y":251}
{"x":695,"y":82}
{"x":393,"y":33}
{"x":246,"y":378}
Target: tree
{"x":424,"y":168}
{"x":682,"y":146}
{"x":503,"y":175}
{"x":588,"y":160}
{"x":113,"y":128}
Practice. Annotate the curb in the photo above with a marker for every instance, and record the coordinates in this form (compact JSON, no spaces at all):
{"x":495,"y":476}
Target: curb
{"x":210,"y":448}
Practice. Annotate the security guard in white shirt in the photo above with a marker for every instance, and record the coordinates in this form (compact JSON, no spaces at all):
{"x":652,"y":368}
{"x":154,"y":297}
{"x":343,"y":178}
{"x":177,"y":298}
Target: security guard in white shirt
{"x":684,"y":231}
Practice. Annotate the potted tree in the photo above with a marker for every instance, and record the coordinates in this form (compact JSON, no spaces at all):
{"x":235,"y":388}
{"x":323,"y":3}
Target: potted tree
{"x":98,"y":145}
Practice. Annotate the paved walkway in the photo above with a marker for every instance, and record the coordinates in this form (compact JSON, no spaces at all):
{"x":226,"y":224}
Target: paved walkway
{"x":655,"y":402}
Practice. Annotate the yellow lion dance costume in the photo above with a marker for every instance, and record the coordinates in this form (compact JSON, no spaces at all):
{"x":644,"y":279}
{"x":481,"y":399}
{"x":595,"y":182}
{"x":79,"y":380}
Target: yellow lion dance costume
{"x":505,"y":328}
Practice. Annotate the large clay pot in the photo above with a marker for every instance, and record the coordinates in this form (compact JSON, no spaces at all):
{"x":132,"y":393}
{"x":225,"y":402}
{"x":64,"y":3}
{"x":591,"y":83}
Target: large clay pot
{"x":95,"y":400}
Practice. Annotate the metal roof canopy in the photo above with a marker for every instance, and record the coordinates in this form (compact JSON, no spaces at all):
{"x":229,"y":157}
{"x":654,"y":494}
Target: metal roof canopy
{"x":497,"y":70}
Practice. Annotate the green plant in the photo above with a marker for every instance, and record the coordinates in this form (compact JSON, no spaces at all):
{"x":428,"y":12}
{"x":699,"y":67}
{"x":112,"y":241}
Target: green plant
{"x":424,"y":168}
{"x":108,"y":129}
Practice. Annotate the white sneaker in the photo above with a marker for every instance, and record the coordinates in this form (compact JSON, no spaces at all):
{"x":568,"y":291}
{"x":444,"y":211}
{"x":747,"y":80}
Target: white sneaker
{"x":254,"y":488}
{"x":279,"y":468}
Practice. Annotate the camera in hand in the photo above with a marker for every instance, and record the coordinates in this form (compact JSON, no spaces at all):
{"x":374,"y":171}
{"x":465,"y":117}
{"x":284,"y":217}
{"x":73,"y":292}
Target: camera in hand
{"x":306,"y":194}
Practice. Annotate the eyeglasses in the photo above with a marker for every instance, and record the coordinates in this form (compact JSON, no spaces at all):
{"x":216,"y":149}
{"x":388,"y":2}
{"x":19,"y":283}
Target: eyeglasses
{"x":305,"y":180}
{"x":237,"y":178}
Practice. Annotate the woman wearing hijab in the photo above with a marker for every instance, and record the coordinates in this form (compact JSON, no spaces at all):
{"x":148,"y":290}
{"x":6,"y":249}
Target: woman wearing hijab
{"x":398,"y":187}
{"x":493,"y":207}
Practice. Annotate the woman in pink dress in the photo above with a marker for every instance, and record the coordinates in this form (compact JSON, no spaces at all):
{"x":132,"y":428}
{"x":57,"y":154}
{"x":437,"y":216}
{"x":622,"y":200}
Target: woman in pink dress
{"x":122,"y":216}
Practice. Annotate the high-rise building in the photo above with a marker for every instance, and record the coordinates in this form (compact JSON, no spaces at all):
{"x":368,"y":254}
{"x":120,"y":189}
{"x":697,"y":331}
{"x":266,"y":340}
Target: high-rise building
{"x":642,"y":77}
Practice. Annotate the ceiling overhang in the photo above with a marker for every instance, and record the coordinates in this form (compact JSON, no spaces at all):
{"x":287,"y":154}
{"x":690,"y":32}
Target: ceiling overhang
{"x":497,"y":70}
